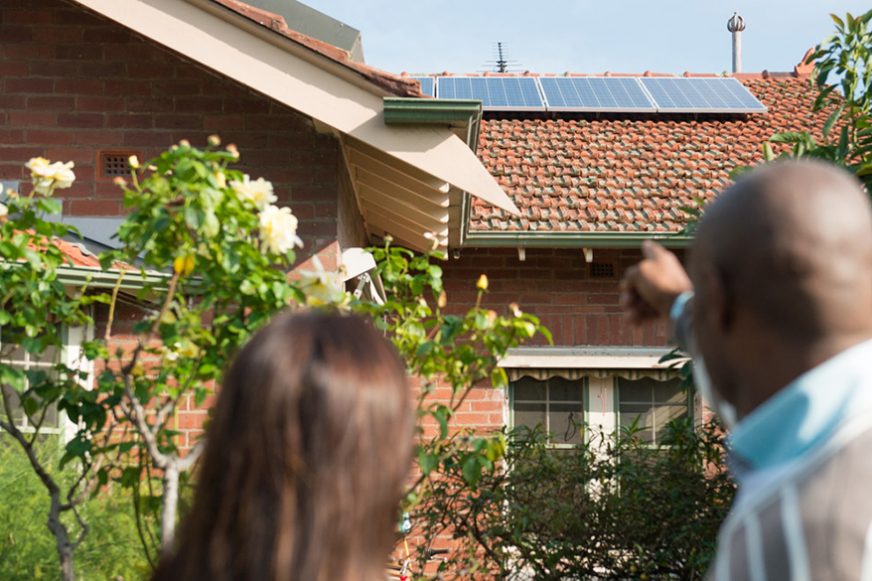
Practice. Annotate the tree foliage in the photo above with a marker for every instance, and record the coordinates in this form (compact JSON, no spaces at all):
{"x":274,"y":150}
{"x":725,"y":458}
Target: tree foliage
{"x":611,"y":508}
{"x":843,"y":78}
{"x":209,"y":253}
{"x":36,"y":310}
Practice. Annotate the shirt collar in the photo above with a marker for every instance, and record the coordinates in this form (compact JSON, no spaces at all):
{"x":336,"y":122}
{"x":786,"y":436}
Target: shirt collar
{"x":805,"y":413}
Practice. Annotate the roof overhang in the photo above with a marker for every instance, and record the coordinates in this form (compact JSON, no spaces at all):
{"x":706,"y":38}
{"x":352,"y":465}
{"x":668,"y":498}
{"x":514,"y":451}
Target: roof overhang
{"x":429,"y":156}
{"x":97,"y":278}
{"x":534,"y":239}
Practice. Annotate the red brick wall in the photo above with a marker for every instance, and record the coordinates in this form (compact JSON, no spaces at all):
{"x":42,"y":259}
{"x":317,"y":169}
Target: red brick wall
{"x":73,"y":84}
{"x":557,"y":286}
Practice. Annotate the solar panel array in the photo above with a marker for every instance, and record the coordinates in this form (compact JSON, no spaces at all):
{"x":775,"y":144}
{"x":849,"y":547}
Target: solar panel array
{"x":701,"y":95}
{"x":495,"y":93}
{"x":428,"y":85}
{"x":595,"y":94}
{"x":599,"y":94}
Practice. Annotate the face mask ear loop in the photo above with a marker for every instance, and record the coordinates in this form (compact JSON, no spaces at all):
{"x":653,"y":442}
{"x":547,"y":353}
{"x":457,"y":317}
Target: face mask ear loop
{"x":703,"y":383}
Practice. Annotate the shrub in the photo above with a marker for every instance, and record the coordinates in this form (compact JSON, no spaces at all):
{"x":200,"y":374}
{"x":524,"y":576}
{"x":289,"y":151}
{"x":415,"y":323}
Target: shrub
{"x":612,"y":508}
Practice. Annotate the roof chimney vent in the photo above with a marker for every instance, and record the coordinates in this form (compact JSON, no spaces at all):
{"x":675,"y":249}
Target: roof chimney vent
{"x":736,"y":24}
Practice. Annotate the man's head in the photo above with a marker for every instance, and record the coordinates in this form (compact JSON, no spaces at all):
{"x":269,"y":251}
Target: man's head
{"x":782,"y":269}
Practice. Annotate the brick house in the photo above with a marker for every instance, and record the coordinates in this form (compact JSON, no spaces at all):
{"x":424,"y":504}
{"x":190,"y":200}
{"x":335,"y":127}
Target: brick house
{"x":591,"y":187}
{"x":96,"y":81}
{"x":552,"y":208}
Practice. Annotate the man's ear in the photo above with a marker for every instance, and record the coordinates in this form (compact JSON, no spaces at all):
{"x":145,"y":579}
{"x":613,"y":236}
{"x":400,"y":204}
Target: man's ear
{"x":720,"y":307}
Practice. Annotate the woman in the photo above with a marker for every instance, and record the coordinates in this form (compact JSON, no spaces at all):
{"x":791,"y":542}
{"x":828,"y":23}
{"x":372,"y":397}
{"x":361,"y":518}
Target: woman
{"x":305,"y":458}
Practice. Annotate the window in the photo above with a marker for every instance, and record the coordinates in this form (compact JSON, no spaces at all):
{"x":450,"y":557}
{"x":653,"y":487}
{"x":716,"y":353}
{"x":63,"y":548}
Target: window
{"x":46,"y":362}
{"x":555,"y":405}
{"x":7,"y":186}
{"x":650,"y":404}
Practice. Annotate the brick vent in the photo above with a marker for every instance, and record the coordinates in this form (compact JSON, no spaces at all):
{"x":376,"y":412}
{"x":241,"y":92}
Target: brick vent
{"x":115,"y":163}
{"x":602,"y":270}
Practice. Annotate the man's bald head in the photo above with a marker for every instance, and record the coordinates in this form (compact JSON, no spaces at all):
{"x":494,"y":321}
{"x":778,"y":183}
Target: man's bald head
{"x":792,"y":243}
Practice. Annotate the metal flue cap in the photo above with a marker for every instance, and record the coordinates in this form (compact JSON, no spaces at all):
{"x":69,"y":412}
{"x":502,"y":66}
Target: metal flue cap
{"x":736,"y":23}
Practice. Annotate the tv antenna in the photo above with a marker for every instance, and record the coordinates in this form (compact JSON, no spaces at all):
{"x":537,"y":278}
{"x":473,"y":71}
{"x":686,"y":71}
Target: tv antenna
{"x":501,"y":64}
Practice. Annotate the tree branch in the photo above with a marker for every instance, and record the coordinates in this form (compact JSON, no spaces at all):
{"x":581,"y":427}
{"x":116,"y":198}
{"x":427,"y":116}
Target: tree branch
{"x":111,"y":318}
{"x":186,"y":463}
{"x":137,"y":414}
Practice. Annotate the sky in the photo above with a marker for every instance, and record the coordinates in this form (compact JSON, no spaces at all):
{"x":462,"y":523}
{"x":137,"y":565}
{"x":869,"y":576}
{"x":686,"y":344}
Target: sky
{"x":585,"y":36}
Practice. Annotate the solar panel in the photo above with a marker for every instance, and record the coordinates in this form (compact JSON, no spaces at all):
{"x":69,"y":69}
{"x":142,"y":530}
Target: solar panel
{"x":595,"y":94}
{"x":495,"y":93}
{"x":701,"y":95}
{"x":428,"y":85}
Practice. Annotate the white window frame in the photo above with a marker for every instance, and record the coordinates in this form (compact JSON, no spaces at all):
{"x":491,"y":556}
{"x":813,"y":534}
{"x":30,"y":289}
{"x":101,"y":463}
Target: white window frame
{"x":72,"y":356}
{"x":598,"y":367}
{"x":548,"y":401}
{"x":688,"y":405}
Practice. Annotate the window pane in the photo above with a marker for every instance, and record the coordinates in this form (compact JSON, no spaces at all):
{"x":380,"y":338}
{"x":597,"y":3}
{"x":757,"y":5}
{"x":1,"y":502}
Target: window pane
{"x":668,"y":413}
{"x":530,"y":415}
{"x":634,"y":391}
{"x":50,"y":356}
{"x":670,"y":392}
{"x":567,"y":421}
{"x":529,"y":389}
{"x":14,"y":403}
{"x":12,"y":353}
{"x":643,"y":417}
{"x":564,"y":389}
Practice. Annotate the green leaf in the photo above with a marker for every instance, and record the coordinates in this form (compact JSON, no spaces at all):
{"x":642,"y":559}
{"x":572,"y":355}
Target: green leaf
{"x":427,"y":461}
{"x":831,"y":120}
{"x":472,"y":469}
{"x":789,"y":137}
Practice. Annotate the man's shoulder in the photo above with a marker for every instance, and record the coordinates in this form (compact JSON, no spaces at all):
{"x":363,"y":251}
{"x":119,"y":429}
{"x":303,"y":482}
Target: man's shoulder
{"x":817,"y":516}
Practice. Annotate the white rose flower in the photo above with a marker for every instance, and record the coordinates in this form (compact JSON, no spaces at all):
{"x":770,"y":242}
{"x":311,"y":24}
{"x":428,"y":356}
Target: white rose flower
{"x":259,"y":192}
{"x":39,"y":166}
{"x":4,"y":211}
{"x":278,"y":230}
{"x":62,"y":174}
{"x":46,"y":175}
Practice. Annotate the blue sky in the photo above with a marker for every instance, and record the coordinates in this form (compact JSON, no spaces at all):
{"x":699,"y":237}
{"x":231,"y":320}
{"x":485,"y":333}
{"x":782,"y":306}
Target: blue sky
{"x":585,"y":35}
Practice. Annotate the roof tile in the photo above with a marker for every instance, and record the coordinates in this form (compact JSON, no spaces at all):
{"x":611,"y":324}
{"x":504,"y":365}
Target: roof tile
{"x":629,"y":174}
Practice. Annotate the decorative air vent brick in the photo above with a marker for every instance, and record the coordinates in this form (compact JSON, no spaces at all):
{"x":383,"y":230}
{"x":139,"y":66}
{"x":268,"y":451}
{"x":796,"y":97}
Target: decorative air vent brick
{"x":115,"y":163}
{"x":602,"y":270}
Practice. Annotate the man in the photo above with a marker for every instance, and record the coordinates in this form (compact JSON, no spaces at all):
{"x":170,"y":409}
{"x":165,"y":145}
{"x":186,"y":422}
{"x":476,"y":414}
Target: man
{"x":777,"y":315}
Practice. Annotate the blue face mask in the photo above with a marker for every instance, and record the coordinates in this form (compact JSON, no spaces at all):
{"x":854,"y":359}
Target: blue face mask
{"x":725,"y":410}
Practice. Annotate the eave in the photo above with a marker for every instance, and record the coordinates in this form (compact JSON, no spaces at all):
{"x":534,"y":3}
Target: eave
{"x":96,"y":278}
{"x":534,"y":239}
{"x":463,"y":117}
{"x":430,"y":159}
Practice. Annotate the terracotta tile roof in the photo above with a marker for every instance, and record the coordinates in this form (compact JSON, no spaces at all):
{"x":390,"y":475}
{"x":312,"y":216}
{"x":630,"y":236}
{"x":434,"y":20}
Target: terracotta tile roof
{"x":76,"y":253}
{"x":629,"y":174}
{"x":395,"y":84}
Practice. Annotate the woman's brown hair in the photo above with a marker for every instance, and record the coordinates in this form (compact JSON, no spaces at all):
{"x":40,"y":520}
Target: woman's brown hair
{"x":305,"y":458}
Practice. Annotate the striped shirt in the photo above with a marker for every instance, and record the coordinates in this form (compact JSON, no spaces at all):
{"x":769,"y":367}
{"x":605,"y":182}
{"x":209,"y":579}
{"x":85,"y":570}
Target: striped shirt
{"x":803,"y":462}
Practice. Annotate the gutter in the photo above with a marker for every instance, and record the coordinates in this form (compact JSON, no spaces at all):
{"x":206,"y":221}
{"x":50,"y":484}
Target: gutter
{"x":467,"y":113}
{"x":462,"y":115}
{"x":133,"y":280}
{"x":573,"y":239}
{"x":457,"y":113}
